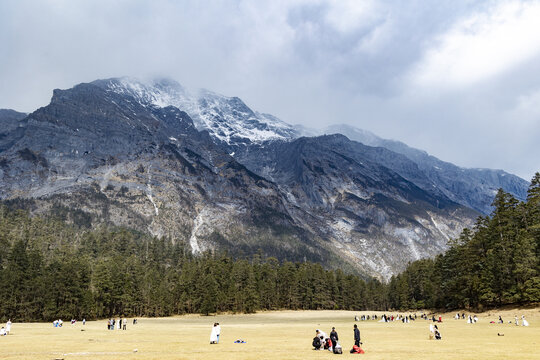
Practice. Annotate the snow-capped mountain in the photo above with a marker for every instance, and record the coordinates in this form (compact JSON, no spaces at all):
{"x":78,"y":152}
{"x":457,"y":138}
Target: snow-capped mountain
{"x":228,"y":119}
{"x":235,"y":127}
{"x":125,"y":152}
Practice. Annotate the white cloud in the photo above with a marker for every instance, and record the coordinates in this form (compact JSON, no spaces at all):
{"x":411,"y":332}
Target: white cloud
{"x":350,"y":15}
{"x":315,"y":62}
{"x":482,"y":46}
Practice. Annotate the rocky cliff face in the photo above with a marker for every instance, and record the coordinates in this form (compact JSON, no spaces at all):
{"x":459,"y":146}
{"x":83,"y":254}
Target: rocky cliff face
{"x":158,"y":159}
{"x":9,"y":119}
{"x":109,"y":159}
{"x":370,"y":213}
{"x":474,"y":188}
{"x":233,"y":125}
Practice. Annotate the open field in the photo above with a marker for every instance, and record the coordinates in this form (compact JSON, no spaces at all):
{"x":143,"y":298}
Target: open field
{"x":276,"y":335}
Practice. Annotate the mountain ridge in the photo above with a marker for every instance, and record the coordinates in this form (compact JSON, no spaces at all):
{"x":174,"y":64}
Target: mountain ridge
{"x":446,"y":175}
{"x":234,"y":125}
{"x":125,"y":156}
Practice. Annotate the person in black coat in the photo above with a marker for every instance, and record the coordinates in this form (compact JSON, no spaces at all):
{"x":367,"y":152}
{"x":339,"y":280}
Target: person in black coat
{"x":356,"y":336}
{"x":317,"y":343}
{"x":334,"y":337}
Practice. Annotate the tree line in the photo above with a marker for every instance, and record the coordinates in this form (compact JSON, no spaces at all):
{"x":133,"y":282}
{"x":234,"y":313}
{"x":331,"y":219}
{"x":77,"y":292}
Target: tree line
{"x":50,"y":270}
{"x":495,"y":263}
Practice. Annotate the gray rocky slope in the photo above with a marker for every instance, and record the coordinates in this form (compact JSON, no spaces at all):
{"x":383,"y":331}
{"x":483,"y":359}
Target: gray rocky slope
{"x":233,"y":125}
{"x":9,"y":121}
{"x":121,"y":154}
{"x":474,"y":188}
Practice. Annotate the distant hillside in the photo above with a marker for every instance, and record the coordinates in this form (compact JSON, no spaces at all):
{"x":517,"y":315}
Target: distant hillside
{"x":474,"y":188}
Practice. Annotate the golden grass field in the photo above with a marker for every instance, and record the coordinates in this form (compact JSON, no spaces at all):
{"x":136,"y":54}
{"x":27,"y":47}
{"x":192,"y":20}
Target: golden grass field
{"x":276,"y":335}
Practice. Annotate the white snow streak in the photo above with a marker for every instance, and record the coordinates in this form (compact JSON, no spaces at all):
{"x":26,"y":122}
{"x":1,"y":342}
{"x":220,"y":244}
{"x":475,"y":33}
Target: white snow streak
{"x":197,"y":224}
{"x":149,"y":192}
{"x":438,"y":227}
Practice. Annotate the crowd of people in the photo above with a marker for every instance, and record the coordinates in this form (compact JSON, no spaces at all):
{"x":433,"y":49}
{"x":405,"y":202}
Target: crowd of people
{"x":322,"y":341}
{"x":112,"y":323}
{"x":120,"y":324}
{"x":405,"y":318}
{"x":473,"y":319}
{"x":399,"y":317}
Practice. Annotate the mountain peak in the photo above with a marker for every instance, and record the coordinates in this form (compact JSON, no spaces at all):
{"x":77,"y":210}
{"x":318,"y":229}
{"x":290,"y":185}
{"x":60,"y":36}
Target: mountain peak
{"x":227,"y":119}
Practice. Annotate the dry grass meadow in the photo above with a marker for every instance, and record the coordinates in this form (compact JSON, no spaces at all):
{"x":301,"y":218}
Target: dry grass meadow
{"x":276,"y":335}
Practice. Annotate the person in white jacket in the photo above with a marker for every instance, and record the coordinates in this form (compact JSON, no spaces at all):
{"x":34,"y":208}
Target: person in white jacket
{"x":213,"y":335}
{"x":8,"y":327}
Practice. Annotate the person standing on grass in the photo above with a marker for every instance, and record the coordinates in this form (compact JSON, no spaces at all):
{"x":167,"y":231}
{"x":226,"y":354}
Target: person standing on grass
{"x":334,"y":337}
{"x":8,"y":327}
{"x":124,"y":326}
{"x":218,"y":332}
{"x":213,"y":335}
{"x":356,"y":335}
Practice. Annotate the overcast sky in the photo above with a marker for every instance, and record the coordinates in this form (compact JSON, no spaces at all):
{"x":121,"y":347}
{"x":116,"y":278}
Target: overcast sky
{"x":459,"y":79}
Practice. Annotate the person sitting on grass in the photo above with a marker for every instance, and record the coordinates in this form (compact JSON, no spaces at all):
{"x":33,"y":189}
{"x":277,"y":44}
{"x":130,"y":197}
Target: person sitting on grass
{"x":437,"y":333}
{"x":356,"y":350}
{"x":3,"y":331}
{"x":324,"y":339}
{"x":316,"y":343}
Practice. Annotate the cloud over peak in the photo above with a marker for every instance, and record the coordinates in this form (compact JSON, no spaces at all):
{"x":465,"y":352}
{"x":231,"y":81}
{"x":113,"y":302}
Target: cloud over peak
{"x":451,"y":77}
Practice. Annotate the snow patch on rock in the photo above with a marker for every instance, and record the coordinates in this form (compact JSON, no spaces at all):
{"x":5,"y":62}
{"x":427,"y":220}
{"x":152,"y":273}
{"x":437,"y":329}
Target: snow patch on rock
{"x":228,"y":119}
